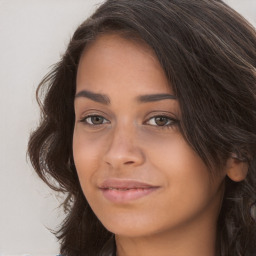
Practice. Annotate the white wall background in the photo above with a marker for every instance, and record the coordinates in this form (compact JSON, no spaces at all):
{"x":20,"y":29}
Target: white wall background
{"x":33,"y":35}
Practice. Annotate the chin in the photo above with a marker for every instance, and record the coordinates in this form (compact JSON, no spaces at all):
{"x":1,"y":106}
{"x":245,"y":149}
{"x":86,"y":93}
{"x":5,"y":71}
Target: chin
{"x":130,"y":227}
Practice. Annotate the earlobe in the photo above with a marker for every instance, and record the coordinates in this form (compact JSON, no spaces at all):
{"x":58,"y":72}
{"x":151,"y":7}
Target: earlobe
{"x":236,"y":169}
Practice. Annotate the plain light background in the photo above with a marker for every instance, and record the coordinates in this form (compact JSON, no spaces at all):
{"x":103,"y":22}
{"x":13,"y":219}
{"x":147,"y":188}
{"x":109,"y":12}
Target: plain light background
{"x":33,"y":36}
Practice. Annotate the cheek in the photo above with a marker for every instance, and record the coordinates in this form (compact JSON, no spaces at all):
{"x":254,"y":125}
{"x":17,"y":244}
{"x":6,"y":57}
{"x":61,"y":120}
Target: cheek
{"x":173,"y":153}
{"x":86,"y":153}
{"x":183,"y":170}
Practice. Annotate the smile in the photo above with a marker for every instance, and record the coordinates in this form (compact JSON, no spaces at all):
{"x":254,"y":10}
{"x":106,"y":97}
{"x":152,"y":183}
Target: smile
{"x":123,"y":191}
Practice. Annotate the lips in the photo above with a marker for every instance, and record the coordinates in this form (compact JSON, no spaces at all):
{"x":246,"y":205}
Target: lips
{"x":123,"y":191}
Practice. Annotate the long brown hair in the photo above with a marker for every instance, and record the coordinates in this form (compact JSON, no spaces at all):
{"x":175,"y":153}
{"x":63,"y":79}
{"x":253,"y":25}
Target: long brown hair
{"x":208,"y":53}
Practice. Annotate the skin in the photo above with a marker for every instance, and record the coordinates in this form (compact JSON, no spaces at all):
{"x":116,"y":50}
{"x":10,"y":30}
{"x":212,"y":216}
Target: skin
{"x":127,"y":142}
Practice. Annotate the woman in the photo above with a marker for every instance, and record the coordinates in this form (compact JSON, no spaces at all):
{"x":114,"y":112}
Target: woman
{"x":149,"y":125}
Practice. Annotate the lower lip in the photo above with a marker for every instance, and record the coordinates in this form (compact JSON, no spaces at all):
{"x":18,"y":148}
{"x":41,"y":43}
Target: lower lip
{"x":123,"y":196}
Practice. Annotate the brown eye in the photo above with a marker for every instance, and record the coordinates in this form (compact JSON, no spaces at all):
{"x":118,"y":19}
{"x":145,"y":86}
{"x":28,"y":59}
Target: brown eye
{"x":161,"y":121}
{"x":94,"y":120}
{"x":97,"y":120}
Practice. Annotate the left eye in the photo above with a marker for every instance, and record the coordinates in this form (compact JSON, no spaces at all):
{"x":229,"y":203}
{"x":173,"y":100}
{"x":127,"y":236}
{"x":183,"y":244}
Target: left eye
{"x":160,"y":121}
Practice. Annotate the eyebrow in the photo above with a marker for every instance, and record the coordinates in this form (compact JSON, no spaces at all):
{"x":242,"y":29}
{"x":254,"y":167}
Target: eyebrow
{"x":101,"y":98}
{"x":155,"y":97}
{"x":104,"y":99}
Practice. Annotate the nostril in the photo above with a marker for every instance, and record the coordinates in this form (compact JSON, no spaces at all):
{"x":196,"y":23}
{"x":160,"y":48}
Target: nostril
{"x":129,"y":162}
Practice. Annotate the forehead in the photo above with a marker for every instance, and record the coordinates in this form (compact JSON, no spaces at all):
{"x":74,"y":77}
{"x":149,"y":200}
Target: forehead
{"x":111,"y":58}
{"x":120,"y":44}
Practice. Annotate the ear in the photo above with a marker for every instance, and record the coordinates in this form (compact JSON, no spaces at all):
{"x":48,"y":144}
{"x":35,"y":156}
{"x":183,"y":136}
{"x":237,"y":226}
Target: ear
{"x":236,"y":169}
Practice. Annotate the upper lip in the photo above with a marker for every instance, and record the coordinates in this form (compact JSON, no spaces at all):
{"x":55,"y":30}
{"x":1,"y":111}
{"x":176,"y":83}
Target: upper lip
{"x":124,"y":184}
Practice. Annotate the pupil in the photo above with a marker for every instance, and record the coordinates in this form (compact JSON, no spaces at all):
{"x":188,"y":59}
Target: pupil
{"x":161,"y":121}
{"x":97,"y":120}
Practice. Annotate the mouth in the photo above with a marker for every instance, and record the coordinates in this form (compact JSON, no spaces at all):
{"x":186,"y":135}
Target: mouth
{"x":123,"y":191}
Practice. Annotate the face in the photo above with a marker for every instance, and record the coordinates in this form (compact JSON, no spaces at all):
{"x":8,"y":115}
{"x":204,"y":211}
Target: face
{"x":137,"y":172}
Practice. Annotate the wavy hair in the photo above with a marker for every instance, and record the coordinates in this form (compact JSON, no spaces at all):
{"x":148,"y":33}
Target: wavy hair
{"x":208,"y":53}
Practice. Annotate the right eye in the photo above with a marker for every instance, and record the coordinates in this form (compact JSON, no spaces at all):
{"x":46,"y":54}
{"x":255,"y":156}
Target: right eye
{"x":94,"y":120}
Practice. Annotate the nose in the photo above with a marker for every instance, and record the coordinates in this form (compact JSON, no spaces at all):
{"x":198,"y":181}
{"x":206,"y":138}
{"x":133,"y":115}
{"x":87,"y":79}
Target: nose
{"x":124,"y":149}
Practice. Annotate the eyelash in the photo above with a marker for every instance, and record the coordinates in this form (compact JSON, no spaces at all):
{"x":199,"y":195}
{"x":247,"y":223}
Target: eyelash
{"x":84,"y":120}
{"x":170,"y":121}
